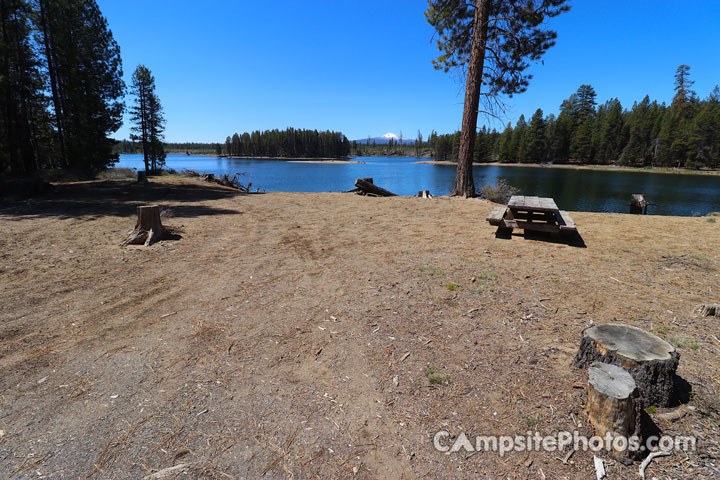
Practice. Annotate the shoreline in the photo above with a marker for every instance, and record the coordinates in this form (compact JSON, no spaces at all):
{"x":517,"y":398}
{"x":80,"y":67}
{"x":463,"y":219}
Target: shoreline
{"x":599,"y":168}
{"x":284,"y":159}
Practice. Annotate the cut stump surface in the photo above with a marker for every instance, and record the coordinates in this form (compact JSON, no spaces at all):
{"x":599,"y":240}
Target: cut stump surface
{"x":651,"y":361}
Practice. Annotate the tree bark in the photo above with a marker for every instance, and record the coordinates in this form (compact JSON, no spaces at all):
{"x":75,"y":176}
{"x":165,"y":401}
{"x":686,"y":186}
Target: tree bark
{"x":148,"y":228}
{"x":464,"y":183}
{"x":54,"y":85}
{"x":614,"y":405}
{"x":651,"y":361}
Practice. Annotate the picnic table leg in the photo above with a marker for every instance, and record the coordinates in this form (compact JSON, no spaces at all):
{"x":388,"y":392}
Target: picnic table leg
{"x":504,"y":232}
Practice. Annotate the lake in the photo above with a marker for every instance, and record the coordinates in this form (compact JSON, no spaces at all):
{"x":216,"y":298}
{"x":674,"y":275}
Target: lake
{"x":577,"y":190}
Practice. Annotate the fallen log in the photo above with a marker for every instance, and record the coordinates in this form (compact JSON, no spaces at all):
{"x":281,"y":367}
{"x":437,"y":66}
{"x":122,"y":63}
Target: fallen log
{"x":227,"y":181}
{"x":614,"y":407}
{"x":651,"y":361}
{"x":148,"y":228}
{"x":356,"y":189}
{"x":368,"y":188}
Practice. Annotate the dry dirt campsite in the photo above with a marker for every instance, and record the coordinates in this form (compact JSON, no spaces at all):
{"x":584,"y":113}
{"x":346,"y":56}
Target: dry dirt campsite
{"x":330,"y":335}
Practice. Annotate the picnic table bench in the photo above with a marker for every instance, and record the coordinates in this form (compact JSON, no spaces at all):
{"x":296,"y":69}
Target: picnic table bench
{"x":531,"y":214}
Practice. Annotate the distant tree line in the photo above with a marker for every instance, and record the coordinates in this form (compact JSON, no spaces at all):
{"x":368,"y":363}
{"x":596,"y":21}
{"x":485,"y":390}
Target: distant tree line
{"x":61,"y":86}
{"x":288,"y":143}
{"x":684,"y":134}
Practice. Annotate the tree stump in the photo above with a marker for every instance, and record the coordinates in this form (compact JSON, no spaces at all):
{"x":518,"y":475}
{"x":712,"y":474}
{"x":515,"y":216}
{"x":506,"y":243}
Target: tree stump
{"x":142,"y":177}
{"x":424,"y":194}
{"x":638,"y":204}
{"x":148,"y":228}
{"x":614,"y":406}
{"x":651,"y":361}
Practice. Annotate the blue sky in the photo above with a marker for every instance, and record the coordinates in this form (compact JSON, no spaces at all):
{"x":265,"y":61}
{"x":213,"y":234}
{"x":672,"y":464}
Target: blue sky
{"x":364,"y":67}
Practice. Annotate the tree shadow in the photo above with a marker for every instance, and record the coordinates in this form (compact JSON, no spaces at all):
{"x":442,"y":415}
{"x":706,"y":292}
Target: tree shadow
{"x":682,"y":391}
{"x":118,"y":198}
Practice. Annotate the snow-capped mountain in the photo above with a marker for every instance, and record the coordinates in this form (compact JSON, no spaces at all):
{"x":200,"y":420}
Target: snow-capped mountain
{"x":385,"y":139}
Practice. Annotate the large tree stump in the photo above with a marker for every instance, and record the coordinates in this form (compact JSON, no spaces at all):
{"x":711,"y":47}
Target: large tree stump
{"x":614,"y":406}
{"x":651,"y":361}
{"x":148,"y":228}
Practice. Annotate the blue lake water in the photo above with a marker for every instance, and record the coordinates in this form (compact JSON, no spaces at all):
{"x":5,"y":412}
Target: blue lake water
{"x":577,"y":190}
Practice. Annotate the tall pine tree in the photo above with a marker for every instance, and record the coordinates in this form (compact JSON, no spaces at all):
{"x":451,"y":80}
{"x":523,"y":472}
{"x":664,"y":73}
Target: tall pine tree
{"x":24,"y":125}
{"x":85,"y":72}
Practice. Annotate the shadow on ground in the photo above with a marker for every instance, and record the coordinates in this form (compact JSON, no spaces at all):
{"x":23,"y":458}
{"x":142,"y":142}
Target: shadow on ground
{"x":117,"y":198}
{"x":573,"y":239}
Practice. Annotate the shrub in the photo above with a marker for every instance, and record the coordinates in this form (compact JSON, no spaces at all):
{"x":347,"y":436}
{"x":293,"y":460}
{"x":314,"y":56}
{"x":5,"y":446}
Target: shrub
{"x":500,"y":193}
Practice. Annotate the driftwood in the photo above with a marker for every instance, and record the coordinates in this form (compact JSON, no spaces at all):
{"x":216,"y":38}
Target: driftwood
{"x":710,"y":310}
{"x":357,"y":190}
{"x":646,"y":462}
{"x":227,"y":181}
{"x":148,"y":228}
{"x":614,"y":405}
{"x":651,"y":361}
{"x":369,"y":188}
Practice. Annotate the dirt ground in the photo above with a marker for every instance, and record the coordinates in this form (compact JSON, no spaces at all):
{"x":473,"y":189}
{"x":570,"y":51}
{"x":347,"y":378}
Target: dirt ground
{"x":328,"y":335}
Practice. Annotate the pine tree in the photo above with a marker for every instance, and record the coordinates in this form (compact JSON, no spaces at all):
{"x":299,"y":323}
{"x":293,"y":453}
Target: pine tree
{"x":156,"y":122}
{"x":504,"y":36}
{"x":704,"y":146}
{"x":581,"y":148}
{"x":85,"y":71}
{"x":519,"y":140}
{"x":505,"y":152}
{"x":235,"y":144}
{"x":24,"y":125}
{"x":148,"y":121}
{"x":684,"y":96}
{"x":611,"y":137}
{"x":536,"y":143}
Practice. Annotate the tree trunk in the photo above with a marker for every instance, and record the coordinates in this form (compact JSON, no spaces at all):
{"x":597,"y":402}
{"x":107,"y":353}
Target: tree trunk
{"x":651,"y":361}
{"x":148,"y":228}
{"x":369,"y":187}
{"x":464,"y":183}
{"x":54,"y":88}
{"x":614,"y":406}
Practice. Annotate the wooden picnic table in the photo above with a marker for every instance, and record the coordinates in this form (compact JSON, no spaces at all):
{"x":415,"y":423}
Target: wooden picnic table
{"x":531,"y":214}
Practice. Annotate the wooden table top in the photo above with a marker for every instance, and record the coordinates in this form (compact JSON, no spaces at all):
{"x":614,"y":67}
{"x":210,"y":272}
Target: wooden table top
{"x":536,"y":204}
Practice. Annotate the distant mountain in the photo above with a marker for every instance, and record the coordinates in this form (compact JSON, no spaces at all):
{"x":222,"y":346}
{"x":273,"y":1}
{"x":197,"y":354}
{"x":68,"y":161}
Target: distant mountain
{"x":385,"y":139}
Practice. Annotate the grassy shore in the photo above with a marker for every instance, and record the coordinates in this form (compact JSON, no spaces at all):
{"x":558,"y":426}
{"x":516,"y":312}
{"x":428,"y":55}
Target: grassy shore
{"x":600,"y":168}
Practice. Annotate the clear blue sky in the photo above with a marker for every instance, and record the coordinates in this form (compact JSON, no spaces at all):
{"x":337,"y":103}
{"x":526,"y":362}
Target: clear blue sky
{"x":363,"y":67}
